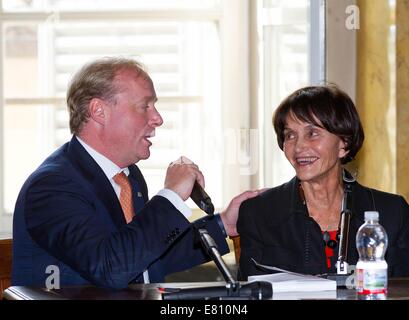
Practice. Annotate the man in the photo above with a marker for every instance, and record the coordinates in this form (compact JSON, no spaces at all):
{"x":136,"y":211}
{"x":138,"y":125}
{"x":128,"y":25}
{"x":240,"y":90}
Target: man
{"x":86,"y":208}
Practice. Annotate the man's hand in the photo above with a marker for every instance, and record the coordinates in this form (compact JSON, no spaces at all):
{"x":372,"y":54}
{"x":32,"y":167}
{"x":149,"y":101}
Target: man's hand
{"x":230,"y":215}
{"x":181,"y":176}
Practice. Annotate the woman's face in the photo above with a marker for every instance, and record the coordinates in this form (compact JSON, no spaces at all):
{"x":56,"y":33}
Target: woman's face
{"x":314,"y":152}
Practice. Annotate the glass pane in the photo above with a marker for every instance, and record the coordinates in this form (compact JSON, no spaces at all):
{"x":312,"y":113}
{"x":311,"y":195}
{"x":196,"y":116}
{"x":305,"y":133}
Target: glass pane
{"x":172,"y":51}
{"x":183,"y":59}
{"x":100,"y":5}
{"x":28,"y":139}
{"x":285,"y":32}
{"x":183,"y":133}
{"x":21,"y":69}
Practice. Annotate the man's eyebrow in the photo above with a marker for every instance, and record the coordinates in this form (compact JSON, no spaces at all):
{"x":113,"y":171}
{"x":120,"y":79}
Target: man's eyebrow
{"x":147,"y":99}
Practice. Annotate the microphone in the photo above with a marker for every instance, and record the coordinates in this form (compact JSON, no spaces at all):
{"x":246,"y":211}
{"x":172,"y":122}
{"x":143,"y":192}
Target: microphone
{"x":202,"y":199}
{"x":211,"y":247}
{"x":342,"y":265}
{"x":257,"y":290}
{"x":343,"y":274}
{"x":346,"y":215}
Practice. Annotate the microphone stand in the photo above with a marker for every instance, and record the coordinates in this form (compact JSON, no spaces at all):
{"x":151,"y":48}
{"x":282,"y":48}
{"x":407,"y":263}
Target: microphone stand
{"x":233,"y":290}
{"x":342,"y":265}
{"x":210,"y":245}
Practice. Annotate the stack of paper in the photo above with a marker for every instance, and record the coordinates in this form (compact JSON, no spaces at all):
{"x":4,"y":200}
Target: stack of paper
{"x":291,"y":285}
{"x":291,"y":282}
{"x":306,"y":295}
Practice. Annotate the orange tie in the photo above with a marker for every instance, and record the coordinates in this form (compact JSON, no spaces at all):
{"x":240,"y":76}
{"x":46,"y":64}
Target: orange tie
{"x":125,"y":197}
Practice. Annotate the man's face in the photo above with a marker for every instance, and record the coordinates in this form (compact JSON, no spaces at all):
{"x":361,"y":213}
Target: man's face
{"x":132,"y":119}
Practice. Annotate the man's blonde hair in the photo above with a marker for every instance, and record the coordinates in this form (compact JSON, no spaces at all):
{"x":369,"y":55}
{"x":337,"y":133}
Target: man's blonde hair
{"x":96,"y":80}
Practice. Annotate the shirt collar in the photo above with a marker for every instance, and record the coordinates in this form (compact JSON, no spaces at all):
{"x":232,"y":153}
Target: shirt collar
{"x":110,"y":169}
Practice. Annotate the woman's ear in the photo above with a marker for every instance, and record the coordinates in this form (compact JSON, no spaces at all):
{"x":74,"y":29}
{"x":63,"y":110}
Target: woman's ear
{"x":97,"y":110}
{"x":342,"y":149}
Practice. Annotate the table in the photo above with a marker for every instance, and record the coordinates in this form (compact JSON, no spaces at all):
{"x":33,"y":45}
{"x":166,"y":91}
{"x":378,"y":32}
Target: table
{"x":398,"y":290}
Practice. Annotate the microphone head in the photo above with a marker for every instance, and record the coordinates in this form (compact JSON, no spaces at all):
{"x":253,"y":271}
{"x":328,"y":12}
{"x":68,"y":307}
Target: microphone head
{"x":202,"y":199}
{"x":207,"y":206}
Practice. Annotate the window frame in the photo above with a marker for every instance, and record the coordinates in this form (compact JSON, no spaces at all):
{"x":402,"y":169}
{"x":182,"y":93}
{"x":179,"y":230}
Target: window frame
{"x":224,"y":21}
{"x":241,"y":76}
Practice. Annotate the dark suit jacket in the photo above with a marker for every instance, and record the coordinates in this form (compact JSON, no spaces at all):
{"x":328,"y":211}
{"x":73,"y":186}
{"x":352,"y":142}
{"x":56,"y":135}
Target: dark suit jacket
{"x":67,"y":214}
{"x":275,"y":229}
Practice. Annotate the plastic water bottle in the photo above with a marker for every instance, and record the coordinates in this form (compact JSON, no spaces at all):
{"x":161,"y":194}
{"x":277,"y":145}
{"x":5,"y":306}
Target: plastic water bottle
{"x":371,"y":269}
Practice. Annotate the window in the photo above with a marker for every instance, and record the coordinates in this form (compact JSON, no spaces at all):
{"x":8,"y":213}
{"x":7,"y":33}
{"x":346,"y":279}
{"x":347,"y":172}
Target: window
{"x":291,"y":51}
{"x":45,"y":42}
{"x":197,"y":52}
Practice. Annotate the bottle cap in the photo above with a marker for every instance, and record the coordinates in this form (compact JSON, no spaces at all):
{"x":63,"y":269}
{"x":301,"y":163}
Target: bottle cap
{"x":371,"y":215}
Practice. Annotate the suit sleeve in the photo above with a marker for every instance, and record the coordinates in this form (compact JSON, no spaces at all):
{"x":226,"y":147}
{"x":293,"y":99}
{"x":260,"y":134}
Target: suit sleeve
{"x":64,"y":221}
{"x":250,"y":241}
{"x":188,"y":250}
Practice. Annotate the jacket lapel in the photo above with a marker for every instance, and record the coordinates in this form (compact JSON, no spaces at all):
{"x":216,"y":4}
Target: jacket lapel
{"x":138,"y":183}
{"x":94,"y":175}
{"x":139,"y":188}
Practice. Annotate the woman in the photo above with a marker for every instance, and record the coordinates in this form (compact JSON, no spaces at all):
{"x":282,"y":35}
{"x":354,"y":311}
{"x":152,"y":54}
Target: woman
{"x":295,"y":226}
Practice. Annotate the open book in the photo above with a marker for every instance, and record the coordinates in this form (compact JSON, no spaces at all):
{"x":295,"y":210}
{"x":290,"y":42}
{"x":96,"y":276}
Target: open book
{"x":287,"y":281}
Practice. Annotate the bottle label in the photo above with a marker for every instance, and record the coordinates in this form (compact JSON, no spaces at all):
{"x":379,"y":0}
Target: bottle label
{"x":371,"y":281}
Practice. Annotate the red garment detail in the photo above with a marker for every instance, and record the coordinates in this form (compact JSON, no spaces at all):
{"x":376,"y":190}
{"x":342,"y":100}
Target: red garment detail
{"x":328,"y":251}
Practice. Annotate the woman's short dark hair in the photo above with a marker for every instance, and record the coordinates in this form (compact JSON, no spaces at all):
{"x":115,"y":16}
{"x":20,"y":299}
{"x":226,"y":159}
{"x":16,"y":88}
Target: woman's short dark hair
{"x":328,"y":104}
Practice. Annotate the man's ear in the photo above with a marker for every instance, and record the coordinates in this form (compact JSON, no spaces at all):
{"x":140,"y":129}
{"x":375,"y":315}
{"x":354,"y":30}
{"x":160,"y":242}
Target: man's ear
{"x":97,"y":110}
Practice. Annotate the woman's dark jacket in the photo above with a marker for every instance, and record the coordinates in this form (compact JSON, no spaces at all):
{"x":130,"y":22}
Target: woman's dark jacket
{"x":275,"y":229}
